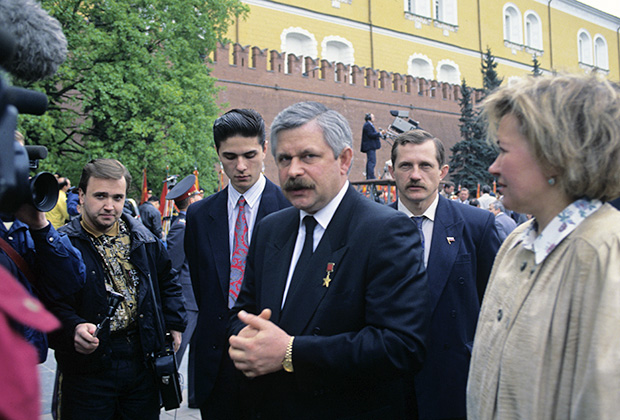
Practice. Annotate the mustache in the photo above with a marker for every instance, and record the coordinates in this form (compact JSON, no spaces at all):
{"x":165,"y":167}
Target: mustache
{"x":294,"y":184}
{"x":415,"y":184}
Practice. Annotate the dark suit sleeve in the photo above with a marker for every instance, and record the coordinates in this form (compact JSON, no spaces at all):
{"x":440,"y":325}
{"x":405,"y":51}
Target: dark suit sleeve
{"x":175,"y":241}
{"x":487,"y":247}
{"x":191,"y":246}
{"x":173,"y":304}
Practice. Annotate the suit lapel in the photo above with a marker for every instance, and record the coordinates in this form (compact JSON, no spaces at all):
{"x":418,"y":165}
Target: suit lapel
{"x":217,"y":231}
{"x":304,"y":297}
{"x":278,"y":254}
{"x":443,"y":253}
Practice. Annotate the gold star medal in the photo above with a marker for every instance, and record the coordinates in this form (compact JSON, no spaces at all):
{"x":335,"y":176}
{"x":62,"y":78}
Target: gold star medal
{"x":330,"y":269}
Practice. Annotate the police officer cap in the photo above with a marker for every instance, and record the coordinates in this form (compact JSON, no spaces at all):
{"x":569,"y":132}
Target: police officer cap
{"x":185,"y":188}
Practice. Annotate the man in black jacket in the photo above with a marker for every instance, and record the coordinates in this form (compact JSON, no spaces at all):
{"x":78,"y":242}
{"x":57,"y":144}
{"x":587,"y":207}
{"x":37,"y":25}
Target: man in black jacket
{"x":104,"y":373}
{"x":150,"y":215}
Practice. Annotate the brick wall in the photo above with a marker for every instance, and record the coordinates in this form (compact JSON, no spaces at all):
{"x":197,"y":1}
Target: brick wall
{"x":255,"y":78}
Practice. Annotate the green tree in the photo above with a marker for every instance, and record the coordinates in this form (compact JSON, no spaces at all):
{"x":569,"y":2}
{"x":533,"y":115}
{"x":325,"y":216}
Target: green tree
{"x":536,"y":71}
{"x":490,"y":78}
{"x":135,"y":87}
{"x":472,"y":155}
{"x":465,"y":163}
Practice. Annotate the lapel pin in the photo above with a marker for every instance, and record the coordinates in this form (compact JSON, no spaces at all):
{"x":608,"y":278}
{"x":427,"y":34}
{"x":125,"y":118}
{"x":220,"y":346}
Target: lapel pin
{"x":450,"y":239}
{"x":330,"y":269}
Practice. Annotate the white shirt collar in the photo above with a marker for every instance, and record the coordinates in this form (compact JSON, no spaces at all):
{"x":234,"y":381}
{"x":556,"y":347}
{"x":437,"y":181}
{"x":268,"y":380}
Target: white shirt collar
{"x":429,"y":212}
{"x":252,"y":195}
{"x":324,"y":216}
{"x":559,"y":228}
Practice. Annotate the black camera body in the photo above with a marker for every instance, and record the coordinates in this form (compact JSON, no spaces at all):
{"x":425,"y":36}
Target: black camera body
{"x":16,"y":161}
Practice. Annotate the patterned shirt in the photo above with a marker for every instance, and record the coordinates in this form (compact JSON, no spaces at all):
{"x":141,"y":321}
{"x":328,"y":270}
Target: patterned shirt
{"x":558,"y":229}
{"x":121,"y":276}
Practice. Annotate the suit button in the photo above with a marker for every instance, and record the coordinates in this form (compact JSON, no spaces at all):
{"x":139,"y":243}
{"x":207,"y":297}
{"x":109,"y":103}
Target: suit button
{"x":214,"y":347}
{"x":141,"y":315}
{"x":523,"y":265}
{"x":500,"y":314}
{"x":316,"y":331}
{"x":220,"y":317}
{"x":453,"y":313}
{"x":461,"y":280}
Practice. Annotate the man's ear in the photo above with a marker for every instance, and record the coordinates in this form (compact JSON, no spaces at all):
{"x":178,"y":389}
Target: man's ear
{"x":346,"y":158}
{"x":444,"y":171}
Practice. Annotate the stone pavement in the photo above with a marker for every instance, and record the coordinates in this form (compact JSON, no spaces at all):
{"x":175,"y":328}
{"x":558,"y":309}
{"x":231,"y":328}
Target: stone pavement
{"x":47,"y":372}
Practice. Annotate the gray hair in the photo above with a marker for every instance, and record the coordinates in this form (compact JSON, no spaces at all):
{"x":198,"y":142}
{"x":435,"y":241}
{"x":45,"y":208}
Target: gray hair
{"x":335,"y":127}
{"x":498,"y":205}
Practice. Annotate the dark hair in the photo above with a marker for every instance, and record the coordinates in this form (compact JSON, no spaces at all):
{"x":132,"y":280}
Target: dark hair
{"x":418,"y":137}
{"x":239,"y":122}
{"x":153,"y":198}
{"x":104,"y":169}
{"x":368,"y":117}
{"x":486,"y":189}
{"x":62,"y":184}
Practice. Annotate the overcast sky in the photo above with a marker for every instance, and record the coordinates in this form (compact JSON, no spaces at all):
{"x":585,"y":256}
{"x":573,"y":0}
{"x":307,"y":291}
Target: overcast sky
{"x":608,"y":6}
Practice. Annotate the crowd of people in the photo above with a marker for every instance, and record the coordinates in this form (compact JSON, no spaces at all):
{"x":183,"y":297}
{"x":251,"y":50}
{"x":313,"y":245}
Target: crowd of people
{"x":309,"y":301}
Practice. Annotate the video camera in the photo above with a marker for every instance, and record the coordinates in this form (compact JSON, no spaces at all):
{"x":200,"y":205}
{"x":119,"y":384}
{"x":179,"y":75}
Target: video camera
{"x":401,"y":124}
{"x":16,"y":161}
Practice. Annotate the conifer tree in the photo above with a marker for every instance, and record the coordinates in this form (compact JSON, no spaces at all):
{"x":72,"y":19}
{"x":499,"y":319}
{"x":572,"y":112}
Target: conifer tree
{"x":536,"y":71}
{"x":472,"y":156}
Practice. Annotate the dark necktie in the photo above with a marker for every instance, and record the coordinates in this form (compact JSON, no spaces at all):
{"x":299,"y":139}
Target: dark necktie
{"x":418,"y":221}
{"x":240,"y":253}
{"x":306,"y":252}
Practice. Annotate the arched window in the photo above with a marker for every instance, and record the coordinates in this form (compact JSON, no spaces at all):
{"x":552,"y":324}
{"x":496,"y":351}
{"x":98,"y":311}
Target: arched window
{"x":418,"y":7}
{"x":448,"y":71}
{"x":338,"y":50}
{"x":584,"y":45}
{"x":533,"y":30}
{"x":420,"y":66}
{"x":299,"y":42}
{"x":512,"y":24}
{"x":445,"y":11}
{"x":601,"y":59}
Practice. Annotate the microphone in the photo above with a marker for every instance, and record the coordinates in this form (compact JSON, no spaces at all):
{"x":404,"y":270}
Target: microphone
{"x":39,"y":43}
{"x":36,"y":152}
{"x":26,"y":101}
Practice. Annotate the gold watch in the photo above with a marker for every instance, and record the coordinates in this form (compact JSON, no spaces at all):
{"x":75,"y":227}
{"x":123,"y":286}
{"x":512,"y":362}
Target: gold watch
{"x":287,"y":363}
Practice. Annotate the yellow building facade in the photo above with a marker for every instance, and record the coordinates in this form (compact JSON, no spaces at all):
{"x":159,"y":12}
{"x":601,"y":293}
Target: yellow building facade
{"x":438,"y":39}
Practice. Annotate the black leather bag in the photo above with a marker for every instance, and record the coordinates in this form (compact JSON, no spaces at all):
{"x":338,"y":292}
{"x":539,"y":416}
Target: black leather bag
{"x":164,"y":362}
{"x":165,"y":367}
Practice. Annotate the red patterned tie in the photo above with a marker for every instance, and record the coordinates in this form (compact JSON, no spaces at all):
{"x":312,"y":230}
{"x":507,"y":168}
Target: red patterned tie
{"x":240,"y":253}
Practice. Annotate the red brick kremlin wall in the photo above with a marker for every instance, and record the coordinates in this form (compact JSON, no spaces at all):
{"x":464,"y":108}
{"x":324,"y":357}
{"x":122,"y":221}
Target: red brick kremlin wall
{"x":255,"y":78}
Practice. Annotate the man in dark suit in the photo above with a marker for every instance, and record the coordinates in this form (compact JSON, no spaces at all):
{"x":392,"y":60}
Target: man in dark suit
{"x":239,"y":137}
{"x":184,"y":193}
{"x":460,"y":243}
{"x":329,"y":324}
{"x":371,"y":142}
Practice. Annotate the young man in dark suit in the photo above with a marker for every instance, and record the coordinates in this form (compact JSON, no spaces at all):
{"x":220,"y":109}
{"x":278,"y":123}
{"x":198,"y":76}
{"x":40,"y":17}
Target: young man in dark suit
{"x":460,"y":243}
{"x":217,"y":234}
{"x":331,"y":319}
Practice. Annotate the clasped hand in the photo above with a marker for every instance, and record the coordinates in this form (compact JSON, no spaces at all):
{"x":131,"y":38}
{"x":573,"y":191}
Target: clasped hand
{"x":260,"y":346}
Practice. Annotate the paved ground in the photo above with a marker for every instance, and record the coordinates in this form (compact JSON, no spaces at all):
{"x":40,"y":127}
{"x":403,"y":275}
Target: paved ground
{"x":47,"y":372}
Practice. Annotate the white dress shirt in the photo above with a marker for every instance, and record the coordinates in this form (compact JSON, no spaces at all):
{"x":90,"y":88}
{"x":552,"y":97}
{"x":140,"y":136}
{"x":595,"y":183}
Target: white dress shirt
{"x":322,"y":217}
